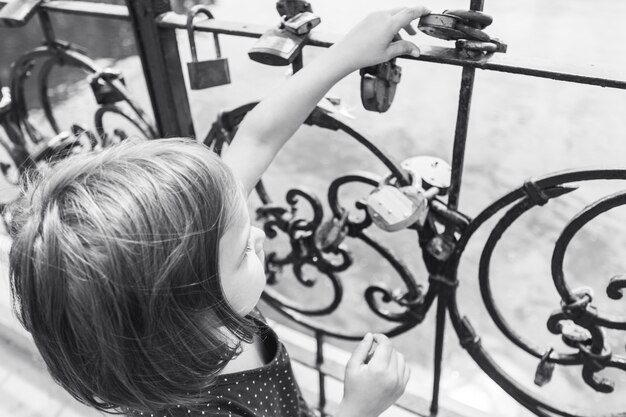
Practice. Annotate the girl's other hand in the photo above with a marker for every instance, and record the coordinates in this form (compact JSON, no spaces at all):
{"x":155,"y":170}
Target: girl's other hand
{"x":373,"y":381}
{"x":370,"y":42}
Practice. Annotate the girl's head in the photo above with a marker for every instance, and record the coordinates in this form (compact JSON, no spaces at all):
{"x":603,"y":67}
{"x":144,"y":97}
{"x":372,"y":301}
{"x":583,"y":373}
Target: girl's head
{"x":132,"y":268}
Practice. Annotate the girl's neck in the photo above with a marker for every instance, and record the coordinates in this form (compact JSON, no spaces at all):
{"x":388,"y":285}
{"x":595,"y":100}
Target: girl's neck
{"x":253,"y":355}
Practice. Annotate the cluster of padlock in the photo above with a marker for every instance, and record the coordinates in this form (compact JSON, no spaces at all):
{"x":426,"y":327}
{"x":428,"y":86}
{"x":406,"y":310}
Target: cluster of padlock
{"x":465,"y":27}
{"x":393,"y":207}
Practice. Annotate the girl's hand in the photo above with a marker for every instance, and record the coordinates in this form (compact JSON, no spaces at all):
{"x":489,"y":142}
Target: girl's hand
{"x":370,"y":41}
{"x":371,"y":386}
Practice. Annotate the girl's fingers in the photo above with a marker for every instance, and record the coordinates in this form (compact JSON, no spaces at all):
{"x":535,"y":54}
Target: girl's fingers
{"x":403,"y":47}
{"x":409,"y":29}
{"x":407,"y":376}
{"x":408,"y":14}
{"x":401,"y":364}
{"x":384,"y":350}
{"x":359,"y":356}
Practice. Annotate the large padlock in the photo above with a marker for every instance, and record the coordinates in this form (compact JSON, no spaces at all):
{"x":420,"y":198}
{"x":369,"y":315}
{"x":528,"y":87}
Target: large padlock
{"x":281,"y":45}
{"x":379,"y":83}
{"x":210,"y":73}
{"x":434,"y":172}
{"x":394,"y":208}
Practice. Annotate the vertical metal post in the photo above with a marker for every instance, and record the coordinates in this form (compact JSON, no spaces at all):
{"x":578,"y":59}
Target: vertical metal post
{"x":458,"y":157}
{"x":439,"y":333}
{"x":462,"y":121}
{"x":160,"y":59}
{"x":319,"y":362}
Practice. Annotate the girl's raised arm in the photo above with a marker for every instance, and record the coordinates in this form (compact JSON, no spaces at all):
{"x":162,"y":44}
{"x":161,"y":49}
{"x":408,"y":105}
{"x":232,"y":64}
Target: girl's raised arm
{"x":273,"y":121}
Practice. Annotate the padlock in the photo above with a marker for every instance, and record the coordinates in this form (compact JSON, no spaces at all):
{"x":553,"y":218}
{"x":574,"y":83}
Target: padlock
{"x":433,"y":171}
{"x":302,"y":23}
{"x":290,"y":8}
{"x":101,"y":85}
{"x":378,"y":85}
{"x":391,"y":209}
{"x":466,"y":28}
{"x":573,"y":334}
{"x":395,"y":208}
{"x":441,"y":26}
{"x":441,"y":247}
{"x":331,"y":233}
{"x":280,"y":46}
{"x":545,"y":369}
{"x":205,"y":74}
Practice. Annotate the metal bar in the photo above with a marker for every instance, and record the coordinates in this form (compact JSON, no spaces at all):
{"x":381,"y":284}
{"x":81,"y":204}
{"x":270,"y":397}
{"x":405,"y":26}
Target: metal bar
{"x":604,"y":75}
{"x":460,"y":132}
{"x":160,"y":59}
{"x":439,"y":339}
{"x":319,"y":363}
{"x":592,"y":74}
{"x":460,"y":135}
{"x":18,"y":13}
{"x":83,"y":8}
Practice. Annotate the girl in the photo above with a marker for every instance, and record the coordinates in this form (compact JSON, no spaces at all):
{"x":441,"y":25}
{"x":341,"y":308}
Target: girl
{"x":137,"y":272}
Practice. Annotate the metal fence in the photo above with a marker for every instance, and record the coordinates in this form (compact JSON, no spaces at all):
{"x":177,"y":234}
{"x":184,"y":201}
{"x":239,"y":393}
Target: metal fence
{"x":442,"y":235}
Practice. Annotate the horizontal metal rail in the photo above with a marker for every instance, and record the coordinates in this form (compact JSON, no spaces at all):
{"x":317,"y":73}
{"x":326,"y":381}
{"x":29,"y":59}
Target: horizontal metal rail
{"x":590,"y":74}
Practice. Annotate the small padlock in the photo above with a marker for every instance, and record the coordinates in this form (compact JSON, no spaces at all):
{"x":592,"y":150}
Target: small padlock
{"x":103,"y":90}
{"x":379,"y":84}
{"x":331,"y":233}
{"x":441,"y":247}
{"x":545,"y":369}
{"x":280,"y":46}
{"x":302,"y":23}
{"x":205,"y":74}
{"x":573,"y":335}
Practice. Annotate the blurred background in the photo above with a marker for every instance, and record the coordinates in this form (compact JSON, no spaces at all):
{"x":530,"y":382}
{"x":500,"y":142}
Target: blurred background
{"x":520,"y":127}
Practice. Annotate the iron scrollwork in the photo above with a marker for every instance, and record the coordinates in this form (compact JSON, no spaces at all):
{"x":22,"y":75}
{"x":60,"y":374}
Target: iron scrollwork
{"x":321,"y":243}
{"x":578,"y":321}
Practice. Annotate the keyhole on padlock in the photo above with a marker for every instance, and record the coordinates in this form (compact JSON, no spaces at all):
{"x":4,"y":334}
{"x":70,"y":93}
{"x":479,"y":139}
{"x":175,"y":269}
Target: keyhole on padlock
{"x":209,"y":73}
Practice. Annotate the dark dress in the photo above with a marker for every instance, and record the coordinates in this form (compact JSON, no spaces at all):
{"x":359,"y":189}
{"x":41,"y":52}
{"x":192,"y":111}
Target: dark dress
{"x":268,"y":391}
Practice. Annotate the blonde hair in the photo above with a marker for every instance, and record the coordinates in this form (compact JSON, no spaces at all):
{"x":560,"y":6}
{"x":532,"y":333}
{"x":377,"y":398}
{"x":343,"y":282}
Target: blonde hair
{"x":114,"y":271}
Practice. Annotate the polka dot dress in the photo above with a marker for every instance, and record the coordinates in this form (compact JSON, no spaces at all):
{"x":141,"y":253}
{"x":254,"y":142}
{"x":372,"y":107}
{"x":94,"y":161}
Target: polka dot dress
{"x":269,"y":391}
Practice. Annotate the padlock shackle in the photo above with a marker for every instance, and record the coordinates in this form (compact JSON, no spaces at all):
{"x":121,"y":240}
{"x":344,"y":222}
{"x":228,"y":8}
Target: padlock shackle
{"x":193,"y":12}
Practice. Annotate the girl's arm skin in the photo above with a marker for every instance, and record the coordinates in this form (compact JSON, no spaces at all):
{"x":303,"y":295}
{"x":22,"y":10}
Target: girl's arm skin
{"x":273,"y":121}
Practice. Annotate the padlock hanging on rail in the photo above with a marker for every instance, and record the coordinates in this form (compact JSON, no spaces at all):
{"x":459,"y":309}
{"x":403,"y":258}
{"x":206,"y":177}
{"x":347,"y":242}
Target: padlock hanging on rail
{"x":210,"y":73}
{"x":392,"y":207}
{"x":466,"y":27}
{"x":379,"y":84}
{"x":281,"y":45}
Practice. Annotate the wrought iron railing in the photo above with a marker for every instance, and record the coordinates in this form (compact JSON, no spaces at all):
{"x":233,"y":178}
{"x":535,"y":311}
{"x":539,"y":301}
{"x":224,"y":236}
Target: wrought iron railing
{"x":317,"y":241}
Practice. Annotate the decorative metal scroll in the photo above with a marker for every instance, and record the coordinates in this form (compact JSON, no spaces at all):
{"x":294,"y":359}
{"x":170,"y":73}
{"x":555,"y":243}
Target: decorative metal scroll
{"x":319,"y":243}
{"x":26,"y":145}
{"x":108,"y":87}
{"x":577,"y":320}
